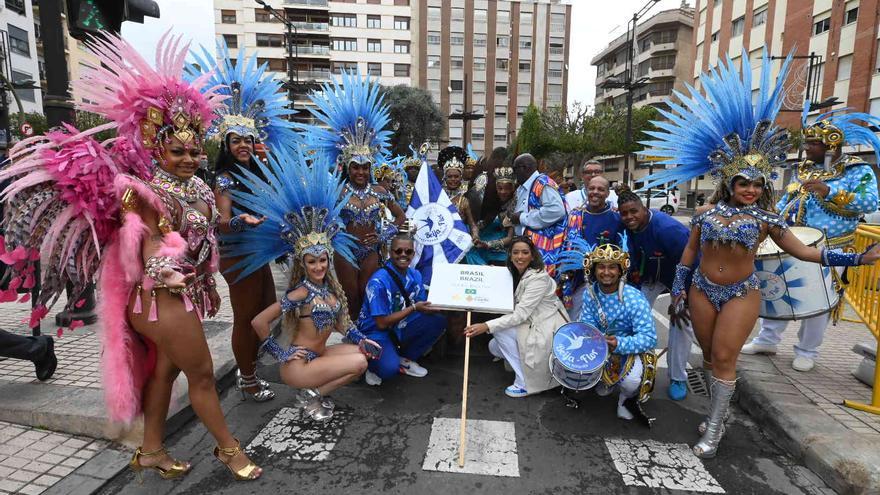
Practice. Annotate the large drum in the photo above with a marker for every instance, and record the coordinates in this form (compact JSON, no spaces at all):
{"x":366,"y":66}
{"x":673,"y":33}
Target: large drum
{"x":579,"y":355}
{"x":792,"y":289}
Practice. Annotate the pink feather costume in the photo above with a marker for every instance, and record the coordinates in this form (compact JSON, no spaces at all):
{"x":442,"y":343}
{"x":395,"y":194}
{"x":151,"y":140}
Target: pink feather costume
{"x":64,"y":204}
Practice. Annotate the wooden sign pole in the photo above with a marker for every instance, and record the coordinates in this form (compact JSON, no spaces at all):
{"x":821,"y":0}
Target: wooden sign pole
{"x":464,"y":391}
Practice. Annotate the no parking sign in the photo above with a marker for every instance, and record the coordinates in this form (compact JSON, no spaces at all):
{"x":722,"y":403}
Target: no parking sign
{"x":27,"y":129}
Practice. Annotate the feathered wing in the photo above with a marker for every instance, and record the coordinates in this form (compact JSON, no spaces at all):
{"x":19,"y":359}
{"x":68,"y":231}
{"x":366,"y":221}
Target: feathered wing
{"x":296,"y":197}
{"x":351,"y":111}
{"x":725,"y":118}
{"x":252,"y":92}
{"x":572,"y":259}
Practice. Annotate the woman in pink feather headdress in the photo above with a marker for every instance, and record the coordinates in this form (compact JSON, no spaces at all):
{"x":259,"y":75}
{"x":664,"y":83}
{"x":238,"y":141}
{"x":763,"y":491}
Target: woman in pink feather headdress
{"x":136,"y":199}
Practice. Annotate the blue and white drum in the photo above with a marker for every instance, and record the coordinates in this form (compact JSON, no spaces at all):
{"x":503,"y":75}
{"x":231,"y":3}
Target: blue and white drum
{"x":579,"y":355}
{"x":792,"y":289}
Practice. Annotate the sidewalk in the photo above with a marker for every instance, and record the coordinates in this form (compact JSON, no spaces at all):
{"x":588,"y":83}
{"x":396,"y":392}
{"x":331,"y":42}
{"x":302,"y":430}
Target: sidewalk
{"x":53,"y":435}
{"x":804,"y":412}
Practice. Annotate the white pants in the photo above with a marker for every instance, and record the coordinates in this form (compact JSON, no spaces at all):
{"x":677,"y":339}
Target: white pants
{"x":680,"y":339}
{"x":628,"y":386}
{"x":577,"y":303}
{"x":503,"y":345}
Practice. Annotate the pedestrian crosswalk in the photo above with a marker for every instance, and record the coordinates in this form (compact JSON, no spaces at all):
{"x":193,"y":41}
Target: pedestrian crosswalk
{"x":654,"y":464}
{"x":292,"y":434}
{"x":490,"y":447}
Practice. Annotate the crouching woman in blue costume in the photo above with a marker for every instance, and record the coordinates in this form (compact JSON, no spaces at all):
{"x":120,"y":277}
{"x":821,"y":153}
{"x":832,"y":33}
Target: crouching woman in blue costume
{"x":724,"y":297}
{"x":301,"y":205}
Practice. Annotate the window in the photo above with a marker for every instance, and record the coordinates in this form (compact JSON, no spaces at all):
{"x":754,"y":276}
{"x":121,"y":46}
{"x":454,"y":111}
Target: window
{"x":401,"y":70}
{"x":264,"y":39}
{"x":434,"y":85}
{"x":374,"y":45}
{"x":844,"y":67}
{"x":343,"y":20}
{"x":524,"y":88}
{"x":456,"y":62}
{"x":261,"y":15}
{"x":736,"y":29}
{"x":557,"y":48}
{"x":401,"y":46}
{"x":525,"y":42}
{"x":526,"y":17}
{"x":500,"y":138}
{"x":501,"y":63}
{"x":477,"y":136}
{"x":433,"y":61}
{"x":479,"y":63}
{"x":457,"y":13}
{"x":645,"y":44}
{"x":21,"y":77}
{"x":759,"y":17}
{"x":661,"y":88}
{"x":434,"y":13}
{"x":503,"y":17}
{"x":403,"y":3}
{"x":338,"y":67}
{"x":275,"y":64}
{"x":644,"y":68}
{"x":343,"y":44}
{"x":852,"y":15}
{"x":16,"y":6}
{"x":226,"y":16}
{"x":231,"y":40}
{"x":821,"y":26}
{"x":479,"y":39}
{"x":501,"y":88}
{"x":525,"y":66}
{"x":714,"y":36}
{"x":374,"y":69}
{"x":502,"y":41}
{"x":480,"y":15}
{"x":433,"y":37}
{"x":374,"y":22}
{"x":456,"y":39}
{"x":501,"y":110}
{"x":663,"y":62}
{"x":456,"y":85}
{"x":401,"y":23}
{"x":520,"y":111}
{"x":479,"y":86}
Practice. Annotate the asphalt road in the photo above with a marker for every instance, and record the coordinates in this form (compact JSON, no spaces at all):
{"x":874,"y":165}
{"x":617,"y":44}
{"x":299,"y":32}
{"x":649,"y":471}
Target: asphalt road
{"x":390,"y":439}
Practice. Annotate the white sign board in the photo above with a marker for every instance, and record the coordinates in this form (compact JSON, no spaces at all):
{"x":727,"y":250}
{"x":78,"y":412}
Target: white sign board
{"x":485,"y":289}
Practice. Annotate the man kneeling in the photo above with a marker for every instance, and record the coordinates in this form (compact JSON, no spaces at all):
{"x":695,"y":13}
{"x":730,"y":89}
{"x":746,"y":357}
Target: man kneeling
{"x":396,"y":315}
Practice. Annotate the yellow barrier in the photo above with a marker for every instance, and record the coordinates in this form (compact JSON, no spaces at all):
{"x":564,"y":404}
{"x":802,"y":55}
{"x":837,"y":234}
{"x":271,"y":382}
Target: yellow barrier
{"x":863,"y":294}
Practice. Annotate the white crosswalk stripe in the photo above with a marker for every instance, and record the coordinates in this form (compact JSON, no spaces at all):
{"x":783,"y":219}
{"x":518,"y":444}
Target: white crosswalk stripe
{"x":654,"y":464}
{"x":293,"y":435}
{"x":491,"y":448}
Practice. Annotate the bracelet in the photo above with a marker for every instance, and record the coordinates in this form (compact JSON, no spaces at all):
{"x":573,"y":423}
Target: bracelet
{"x":236,"y":224}
{"x":155,"y":264}
{"x":681,"y":274}
{"x":839,"y":258}
{"x":210,"y":282}
{"x":354,"y":335}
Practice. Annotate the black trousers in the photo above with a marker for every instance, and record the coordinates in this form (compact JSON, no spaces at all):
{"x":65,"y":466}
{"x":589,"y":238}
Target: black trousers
{"x":22,"y":347}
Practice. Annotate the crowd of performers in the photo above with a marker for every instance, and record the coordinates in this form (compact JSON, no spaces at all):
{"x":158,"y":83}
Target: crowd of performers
{"x":328,"y":202}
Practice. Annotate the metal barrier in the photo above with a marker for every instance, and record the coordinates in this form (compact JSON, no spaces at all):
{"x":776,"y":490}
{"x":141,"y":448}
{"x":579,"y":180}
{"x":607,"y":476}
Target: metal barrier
{"x":863,"y":294}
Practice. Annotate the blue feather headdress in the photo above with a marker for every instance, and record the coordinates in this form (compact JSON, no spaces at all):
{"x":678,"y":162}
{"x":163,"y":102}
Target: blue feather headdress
{"x":836,"y":128}
{"x":256,"y":105}
{"x":351,"y":108}
{"x":472,"y":157}
{"x":723,"y":134}
{"x":581,"y":255}
{"x":301,"y":202}
{"x":418,"y":156}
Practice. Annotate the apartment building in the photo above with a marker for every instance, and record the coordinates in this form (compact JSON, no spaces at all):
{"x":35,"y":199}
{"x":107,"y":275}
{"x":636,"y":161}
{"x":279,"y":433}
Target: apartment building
{"x":18,"y":54}
{"x":663,"y":61}
{"x":493,"y":57}
{"x":371,"y":35}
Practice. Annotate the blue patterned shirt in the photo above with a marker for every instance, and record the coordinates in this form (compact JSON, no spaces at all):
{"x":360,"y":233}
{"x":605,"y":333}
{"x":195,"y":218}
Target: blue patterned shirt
{"x":630,"y":321}
{"x":382,"y":296}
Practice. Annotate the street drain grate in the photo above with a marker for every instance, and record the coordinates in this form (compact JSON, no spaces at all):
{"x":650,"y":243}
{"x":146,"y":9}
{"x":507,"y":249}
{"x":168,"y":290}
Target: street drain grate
{"x":696,"y":384}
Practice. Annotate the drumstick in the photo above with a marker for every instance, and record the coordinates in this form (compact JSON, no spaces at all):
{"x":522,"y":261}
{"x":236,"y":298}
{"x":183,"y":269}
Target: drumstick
{"x":464,"y":389}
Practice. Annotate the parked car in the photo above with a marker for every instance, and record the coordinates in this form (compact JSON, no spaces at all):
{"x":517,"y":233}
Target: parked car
{"x":666,"y":201}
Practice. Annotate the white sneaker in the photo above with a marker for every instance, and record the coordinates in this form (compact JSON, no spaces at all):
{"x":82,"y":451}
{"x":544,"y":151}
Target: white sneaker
{"x":372,"y":378}
{"x":412,"y":368}
{"x":803,"y":363}
{"x":754,"y":348}
{"x":623,"y":413}
{"x":603,"y":390}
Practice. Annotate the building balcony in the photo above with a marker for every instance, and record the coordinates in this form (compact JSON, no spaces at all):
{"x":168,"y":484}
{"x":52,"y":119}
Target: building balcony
{"x":661,"y":73}
{"x":305,"y":75}
{"x":663,"y":47}
{"x":312,"y":50}
{"x":307,"y":3}
{"x":312,"y":26}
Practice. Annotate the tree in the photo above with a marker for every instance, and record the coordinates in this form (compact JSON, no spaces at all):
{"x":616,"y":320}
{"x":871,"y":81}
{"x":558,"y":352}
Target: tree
{"x":532,"y":137}
{"x":36,"y":120}
{"x":415,"y":118}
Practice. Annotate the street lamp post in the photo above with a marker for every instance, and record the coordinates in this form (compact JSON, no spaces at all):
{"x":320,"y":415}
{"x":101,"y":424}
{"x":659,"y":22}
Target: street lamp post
{"x":292,"y":52}
{"x":465,"y":115}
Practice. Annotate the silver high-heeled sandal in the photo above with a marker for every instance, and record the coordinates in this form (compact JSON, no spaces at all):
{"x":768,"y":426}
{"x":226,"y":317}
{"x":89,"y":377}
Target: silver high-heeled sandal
{"x":312,"y":403}
{"x":722,"y":391}
{"x":243,"y":382}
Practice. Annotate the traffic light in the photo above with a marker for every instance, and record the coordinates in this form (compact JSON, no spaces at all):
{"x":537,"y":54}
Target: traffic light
{"x":91,"y":16}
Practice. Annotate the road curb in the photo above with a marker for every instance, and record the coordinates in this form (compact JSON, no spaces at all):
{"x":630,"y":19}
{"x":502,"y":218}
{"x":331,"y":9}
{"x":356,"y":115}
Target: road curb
{"x":845,"y":460}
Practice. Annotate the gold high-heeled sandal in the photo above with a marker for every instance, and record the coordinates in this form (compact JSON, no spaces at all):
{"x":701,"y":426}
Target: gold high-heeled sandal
{"x":247,"y":472}
{"x":176,"y":470}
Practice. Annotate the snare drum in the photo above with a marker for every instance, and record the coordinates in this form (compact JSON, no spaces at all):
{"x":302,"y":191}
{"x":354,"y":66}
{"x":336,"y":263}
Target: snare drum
{"x":792,"y":289}
{"x":579,"y":355}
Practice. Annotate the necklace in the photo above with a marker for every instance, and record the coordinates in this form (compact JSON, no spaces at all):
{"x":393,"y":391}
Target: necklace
{"x":320,"y":290}
{"x":185,"y":189}
{"x":360,"y":194}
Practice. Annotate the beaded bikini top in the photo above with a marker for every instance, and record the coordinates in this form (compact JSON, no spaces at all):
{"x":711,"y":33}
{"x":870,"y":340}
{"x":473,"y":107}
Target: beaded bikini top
{"x":323,"y":315}
{"x":368,"y":214}
{"x":178,"y":195}
{"x":717,"y":227}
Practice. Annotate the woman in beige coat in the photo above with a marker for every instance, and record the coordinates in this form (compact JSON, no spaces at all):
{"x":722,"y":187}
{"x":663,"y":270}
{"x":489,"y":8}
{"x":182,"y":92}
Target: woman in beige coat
{"x":525,"y":337}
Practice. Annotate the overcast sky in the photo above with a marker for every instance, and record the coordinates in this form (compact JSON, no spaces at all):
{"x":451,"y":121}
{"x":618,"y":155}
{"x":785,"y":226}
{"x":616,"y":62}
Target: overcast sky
{"x":592,"y":28}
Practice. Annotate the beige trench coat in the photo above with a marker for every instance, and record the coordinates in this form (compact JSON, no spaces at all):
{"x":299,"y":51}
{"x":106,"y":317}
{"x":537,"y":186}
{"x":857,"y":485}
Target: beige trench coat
{"x":537,"y":314}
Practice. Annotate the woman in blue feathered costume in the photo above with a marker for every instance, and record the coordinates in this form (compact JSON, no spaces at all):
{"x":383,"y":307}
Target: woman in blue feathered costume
{"x":355,"y":137}
{"x":725,"y":135}
{"x":254,"y":112}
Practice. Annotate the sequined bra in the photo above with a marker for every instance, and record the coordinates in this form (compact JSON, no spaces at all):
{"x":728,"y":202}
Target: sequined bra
{"x":198,"y":230}
{"x":370,"y":214}
{"x":744,"y":230}
{"x":323,"y":315}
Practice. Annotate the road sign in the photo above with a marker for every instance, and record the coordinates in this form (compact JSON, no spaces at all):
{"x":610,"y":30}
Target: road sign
{"x":27,"y":129}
